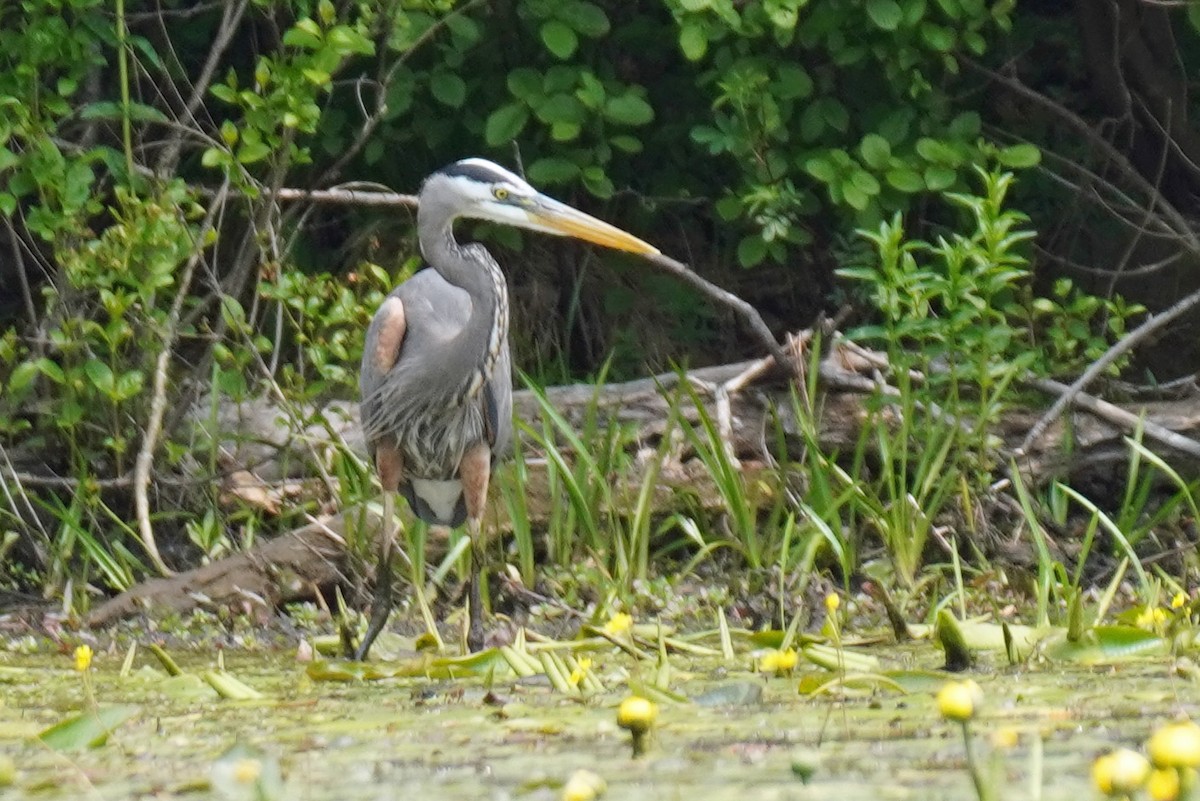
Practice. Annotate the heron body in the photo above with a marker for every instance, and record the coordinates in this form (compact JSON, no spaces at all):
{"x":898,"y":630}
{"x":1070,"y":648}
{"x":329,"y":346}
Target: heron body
{"x":436,"y":375}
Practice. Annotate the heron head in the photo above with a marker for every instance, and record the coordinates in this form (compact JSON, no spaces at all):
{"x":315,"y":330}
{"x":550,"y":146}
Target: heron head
{"x":482,"y":190}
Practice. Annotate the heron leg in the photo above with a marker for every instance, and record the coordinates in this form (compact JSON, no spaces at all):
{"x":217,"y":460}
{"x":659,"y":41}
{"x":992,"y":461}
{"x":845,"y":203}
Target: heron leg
{"x":475,"y":471}
{"x":387,"y":461}
{"x":474,"y":591}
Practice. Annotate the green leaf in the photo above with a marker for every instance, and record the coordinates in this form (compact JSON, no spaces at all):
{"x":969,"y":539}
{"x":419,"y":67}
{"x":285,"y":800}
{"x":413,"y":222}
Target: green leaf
{"x":905,"y":179}
{"x":129,"y":384}
{"x":939,"y":178}
{"x":7,"y":158}
{"x":857,"y":198}
{"x":865,"y":182}
{"x":729,"y":207}
{"x":111,"y":110}
{"x":88,"y":730}
{"x":525,"y":83}
{"x":966,"y":125}
{"x":100,"y":374}
{"x":875,"y":150}
{"x":586,"y":18}
{"x":751,"y":250}
{"x":937,"y":152}
{"x":937,"y":37}
{"x":8,"y":203}
{"x":835,"y":114}
{"x":812,"y":123}
{"x":886,"y":14}
{"x":559,"y":38}
{"x":305,"y":34}
{"x":693,"y":40}
{"x":347,"y":41}
{"x":560,"y":108}
{"x":1020,"y":156}
{"x":626,"y":143}
{"x":448,"y":89}
{"x":214,"y":157}
{"x":565,"y":131}
{"x":250,"y":152}
{"x":597,"y":182}
{"x":821,"y":168}
{"x":505,"y":123}
{"x":22,"y":377}
{"x":628,"y":109}
{"x":553,"y":170}
{"x":793,"y":83}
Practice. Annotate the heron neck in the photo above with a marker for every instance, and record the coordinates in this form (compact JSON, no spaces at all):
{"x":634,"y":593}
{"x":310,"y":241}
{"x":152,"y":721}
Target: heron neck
{"x":472,"y":354}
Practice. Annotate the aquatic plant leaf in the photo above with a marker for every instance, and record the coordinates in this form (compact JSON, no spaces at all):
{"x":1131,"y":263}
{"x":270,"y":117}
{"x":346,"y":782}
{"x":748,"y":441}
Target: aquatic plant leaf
{"x":981,"y":636}
{"x":840,"y":659}
{"x":87,"y":730}
{"x":521,"y":661}
{"x":851,"y":683}
{"x":950,"y":637}
{"x":164,"y":659}
{"x":771,"y":638}
{"x":1109,"y":645}
{"x":229,"y":686}
{"x":478,"y":663}
{"x":322,"y":670}
{"x":918,"y":681}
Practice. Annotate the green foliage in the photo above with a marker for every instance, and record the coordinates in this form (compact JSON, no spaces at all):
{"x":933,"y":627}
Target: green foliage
{"x":778,"y":75}
{"x":790,"y":122}
{"x":114,"y":298}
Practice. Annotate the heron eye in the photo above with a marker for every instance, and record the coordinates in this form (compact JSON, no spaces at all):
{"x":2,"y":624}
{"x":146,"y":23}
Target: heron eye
{"x":500,"y":193}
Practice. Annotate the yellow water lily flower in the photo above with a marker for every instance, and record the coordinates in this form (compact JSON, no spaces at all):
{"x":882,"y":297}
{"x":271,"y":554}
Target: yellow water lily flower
{"x":584,"y":786}
{"x":1179,"y":600}
{"x":832,"y":602}
{"x":618,"y":624}
{"x":83,"y":658}
{"x":781,"y":663}
{"x":1151,"y":619}
{"x":1163,"y":784}
{"x":1176,"y":745}
{"x":958,"y":700}
{"x":582,"y":667}
{"x":1120,"y":772}
{"x":637,"y":714}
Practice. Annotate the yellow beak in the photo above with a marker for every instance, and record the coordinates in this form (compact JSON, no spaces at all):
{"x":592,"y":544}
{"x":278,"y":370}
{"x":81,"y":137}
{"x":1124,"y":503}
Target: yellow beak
{"x":551,"y":216}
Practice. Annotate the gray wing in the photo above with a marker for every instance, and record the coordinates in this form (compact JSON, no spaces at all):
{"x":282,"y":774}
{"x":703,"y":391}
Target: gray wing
{"x":497,"y":406}
{"x":434,"y":312}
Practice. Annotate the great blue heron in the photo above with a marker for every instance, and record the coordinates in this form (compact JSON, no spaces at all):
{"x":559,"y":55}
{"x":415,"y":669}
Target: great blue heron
{"x":436,"y":374}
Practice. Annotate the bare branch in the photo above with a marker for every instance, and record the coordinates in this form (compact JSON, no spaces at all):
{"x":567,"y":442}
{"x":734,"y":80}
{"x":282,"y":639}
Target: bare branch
{"x":158,"y":399}
{"x":1113,"y":414}
{"x":1125,"y":344}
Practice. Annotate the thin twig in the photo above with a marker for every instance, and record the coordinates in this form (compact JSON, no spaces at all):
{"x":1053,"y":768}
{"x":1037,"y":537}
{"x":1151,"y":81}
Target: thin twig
{"x":158,"y":400}
{"x":1123,"y":345}
{"x":231,"y":18}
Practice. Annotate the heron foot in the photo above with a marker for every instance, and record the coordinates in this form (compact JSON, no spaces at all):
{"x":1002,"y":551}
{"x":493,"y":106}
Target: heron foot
{"x":381,"y":606}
